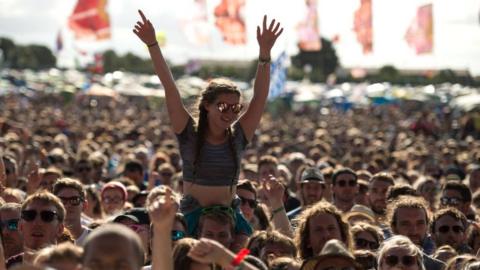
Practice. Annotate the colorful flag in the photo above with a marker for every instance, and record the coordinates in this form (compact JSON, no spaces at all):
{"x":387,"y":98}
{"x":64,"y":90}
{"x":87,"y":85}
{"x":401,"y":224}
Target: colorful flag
{"x":90,"y":20}
{"x":195,"y":24}
{"x":363,"y":25}
{"x":278,"y":76}
{"x":309,"y":37}
{"x":419,"y":35}
{"x":230,"y":21}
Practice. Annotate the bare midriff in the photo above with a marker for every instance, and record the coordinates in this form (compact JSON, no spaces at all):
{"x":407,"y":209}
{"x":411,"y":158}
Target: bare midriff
{"x":210,"y":195}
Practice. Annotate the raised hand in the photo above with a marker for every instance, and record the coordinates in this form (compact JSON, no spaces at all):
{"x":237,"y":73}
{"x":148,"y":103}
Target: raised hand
{"x":145,"y":30}
{"x":33,"y":178}
{"x":273,"y":191}
{"x":266,"y":37}
{"x":162,"y":210}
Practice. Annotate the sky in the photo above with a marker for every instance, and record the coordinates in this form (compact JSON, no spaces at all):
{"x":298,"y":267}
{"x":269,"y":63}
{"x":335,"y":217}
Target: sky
{"x":456,"y":30}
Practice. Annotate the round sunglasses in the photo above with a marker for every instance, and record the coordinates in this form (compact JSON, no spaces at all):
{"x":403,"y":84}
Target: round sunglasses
{"x":407,"y":260}
{"x":224,"y":107}
{"x":45,"y":215}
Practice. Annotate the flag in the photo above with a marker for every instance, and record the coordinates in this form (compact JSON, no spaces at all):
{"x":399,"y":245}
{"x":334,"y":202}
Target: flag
{"x":419,"y":35}
{"x":308,"y":33}
{"x":363,"y":25}
{"x":278,"y":76}
{"x":195,"y":24}
{"x":59,"y":42}
{"x":230,"y":21}
{"x":90,"y":20}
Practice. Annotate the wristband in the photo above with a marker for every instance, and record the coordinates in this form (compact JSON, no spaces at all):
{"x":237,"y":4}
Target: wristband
{"x":264,"y":61}
{"x":153,"y":44}
{"x":240,"y":257}
{"x":274,"y":212}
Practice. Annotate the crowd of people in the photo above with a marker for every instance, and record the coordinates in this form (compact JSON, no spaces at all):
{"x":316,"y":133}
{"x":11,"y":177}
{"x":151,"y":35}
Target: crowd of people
{"x":122,"y":186}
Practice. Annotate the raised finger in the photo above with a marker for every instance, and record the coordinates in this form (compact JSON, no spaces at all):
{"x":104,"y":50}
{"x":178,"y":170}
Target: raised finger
{"x":258,"y":31}
{"x":272,"y":23}
{"x":264,"y":22}
{"x":276,"y":28}
{"x":144,"y":19}
{"x":279,"y":33}
{"x":138,"y":28}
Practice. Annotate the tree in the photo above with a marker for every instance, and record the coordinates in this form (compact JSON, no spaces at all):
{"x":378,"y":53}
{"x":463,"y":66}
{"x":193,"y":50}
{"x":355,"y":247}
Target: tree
{"x":323,"y":62}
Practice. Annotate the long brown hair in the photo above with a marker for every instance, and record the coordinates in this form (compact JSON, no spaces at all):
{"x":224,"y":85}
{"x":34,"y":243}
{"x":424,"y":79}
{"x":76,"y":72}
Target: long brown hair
{"x":215,"y":88}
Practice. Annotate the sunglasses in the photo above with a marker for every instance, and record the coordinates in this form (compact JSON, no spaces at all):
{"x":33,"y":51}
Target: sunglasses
{"x":455,"y":229}
{"x":177,"y":235}
{"x":9,"y":224}
{"x":219,"y":208}
{"x":392,"y":260}
{"x":74,"y":201}
{"x":251,"y":202}
{"x":343,"y":183}
{"x":450,"y":201}
{"x":45,"y":215}
{"x":365,"y":244}
{"x":224,"y":107}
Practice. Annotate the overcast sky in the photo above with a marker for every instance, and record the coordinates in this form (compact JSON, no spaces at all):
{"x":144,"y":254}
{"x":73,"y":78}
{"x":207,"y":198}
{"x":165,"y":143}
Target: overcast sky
{"x":456,"y":30}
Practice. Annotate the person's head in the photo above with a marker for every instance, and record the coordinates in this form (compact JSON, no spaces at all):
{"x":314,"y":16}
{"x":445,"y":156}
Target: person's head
{"x":399,"y":250}
{"x":474,"y":178}
{"x":83,"y":171}
{"x":94,"y":207}
{"x":248,"y":196}
{"x":64,"y":256}
{"x":427,"y":188}
{"x":457,"y":195}
{"x":377,"y":192}
{"x":13,"y":195}
{"x":267,"y":165}
{"x":311,"y":186}
{"x":316,"y":225}
{"x":49,"y":177}
{"x":12,"y":239}
{"x":217,"y":223}
{"x":11,"y":171}
{"x":285,"y":263}
{"x":72,"y":194}
{"x":344,"y":185}
{"x":473,"y":237}
{"x":166,"y":172}
{"x":334,"y":255}
{"x":366,"y":236}
{"x":181,"y":260}
{"x":444,"y":253}
{"x":41,"y":220}
{"x":460,"y":262}
{"x":409,"y":216}
{"x":134,"y":171}
{"x":113,"y":196}
{"x":219,"y":105}
{"x":138,"y":220}
{"x":277,"y":245}
{"x":449,"y":227}
{"x":112,"y":246}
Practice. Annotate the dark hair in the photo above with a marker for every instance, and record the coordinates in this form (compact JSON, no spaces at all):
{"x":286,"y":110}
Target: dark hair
{"x":342,"y":171}
{"x":463,"y":189}
{"x":133,"y":166}
{"x":396,"y":191}
{"x":406,"y":202}
{"x":267,"y":159}
{"x":248,"y":186}
{"x":69,"y":183}
{"x":383,"y":176}
{"x":215,"y":88}
{"x":452,"y":212}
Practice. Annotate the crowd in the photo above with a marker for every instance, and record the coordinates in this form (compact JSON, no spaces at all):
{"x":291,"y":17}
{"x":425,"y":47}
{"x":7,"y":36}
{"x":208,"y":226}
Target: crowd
{"x":123,"y":186}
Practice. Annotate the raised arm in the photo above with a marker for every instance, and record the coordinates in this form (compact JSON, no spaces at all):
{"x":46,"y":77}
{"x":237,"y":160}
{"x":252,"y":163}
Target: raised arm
{"x":176,"y":110}
{"x":266,"y":38}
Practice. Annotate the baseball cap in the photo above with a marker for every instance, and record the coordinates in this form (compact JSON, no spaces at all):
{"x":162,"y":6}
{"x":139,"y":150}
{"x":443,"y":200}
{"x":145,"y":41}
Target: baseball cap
{"x":312,"y":174}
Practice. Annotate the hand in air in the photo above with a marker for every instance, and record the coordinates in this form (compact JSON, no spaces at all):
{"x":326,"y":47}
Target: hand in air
{"x":266,"y":37}
{"x":145,"y":30}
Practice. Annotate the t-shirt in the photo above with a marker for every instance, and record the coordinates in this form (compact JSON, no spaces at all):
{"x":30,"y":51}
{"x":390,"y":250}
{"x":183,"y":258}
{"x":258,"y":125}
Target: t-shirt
{"x":216,"y":164}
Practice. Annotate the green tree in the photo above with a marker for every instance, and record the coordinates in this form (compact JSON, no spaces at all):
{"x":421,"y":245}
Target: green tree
{"x":323,"y":62}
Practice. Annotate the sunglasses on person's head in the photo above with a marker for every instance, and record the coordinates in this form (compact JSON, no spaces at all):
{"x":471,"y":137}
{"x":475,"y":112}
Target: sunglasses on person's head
{"x":218,"y":208}
{"x":45,"y":215}
{"x":343,"y":183}
{"x":455,"y":229}
{"x":9,"y":224}
{"x":75,"y":200}
{"x":450,"y":201}
{"x":251,"y":202}
{"x":177,"y":235}
{"x":365,"y":244}
{"x":393,"y":260}
{"x":224,"y":107}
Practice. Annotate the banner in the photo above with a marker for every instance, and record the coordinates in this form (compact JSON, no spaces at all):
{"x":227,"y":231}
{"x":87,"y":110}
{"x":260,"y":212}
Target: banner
{"x":90,"y":20}
{"x":278,"y":76}
{"x":308,"y":33}
{"x":230,"y":20}
{"x":363,"y":26}
{"x":419,"y":35}
{"x":195,"y":23}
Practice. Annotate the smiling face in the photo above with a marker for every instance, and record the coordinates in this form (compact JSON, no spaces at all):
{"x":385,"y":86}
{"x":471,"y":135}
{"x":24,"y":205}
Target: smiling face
{"x":222,"y":120}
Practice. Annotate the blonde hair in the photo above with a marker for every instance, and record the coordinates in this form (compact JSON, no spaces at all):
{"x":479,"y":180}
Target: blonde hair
{"x":400,"y":241}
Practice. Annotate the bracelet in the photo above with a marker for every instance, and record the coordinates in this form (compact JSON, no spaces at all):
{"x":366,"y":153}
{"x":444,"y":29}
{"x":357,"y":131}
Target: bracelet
{"x":264,"y":61}
{"x":153,"y":44}
{"x":276,"y":211}
{"x":240,"y":257}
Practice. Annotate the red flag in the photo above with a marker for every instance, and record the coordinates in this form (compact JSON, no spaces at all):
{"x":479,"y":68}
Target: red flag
{"x":363,"y":25}
{"x":90,"y":20}
{"x":309,"y":37}
{"x":420,"y":32}
{"x":230,"y":21}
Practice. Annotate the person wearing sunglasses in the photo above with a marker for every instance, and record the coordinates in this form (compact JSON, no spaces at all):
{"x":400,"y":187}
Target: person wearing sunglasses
{"x":345,"y":188}
{"x":448,"y":227}
{"x":11,"y":237}
{"x":248,"y":196}
{"x":41,"y":223}
{"x":212,"y":146}
{"x":11,"y":171}
{"x":113,"y":197}
{"x":366,"y":236}
{"x":459,"y":196}
{"x":72,"y":194}
{"x":398,"y":252}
